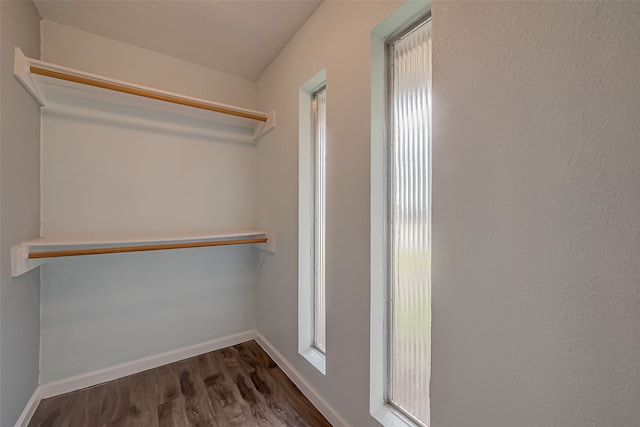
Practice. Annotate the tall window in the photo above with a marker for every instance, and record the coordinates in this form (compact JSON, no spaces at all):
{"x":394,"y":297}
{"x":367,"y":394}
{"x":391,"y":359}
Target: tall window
{"x":319,"y":111}
{"x":409,"y":193}
{"x":312,"y":177}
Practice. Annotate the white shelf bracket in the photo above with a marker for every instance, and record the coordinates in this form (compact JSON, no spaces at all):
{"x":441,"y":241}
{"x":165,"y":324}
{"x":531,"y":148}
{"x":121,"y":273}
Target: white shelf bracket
{"x":20,"y":262}
{"x":270,"y":246}
{"x":22,"y":71}
{"x":266,"y":127}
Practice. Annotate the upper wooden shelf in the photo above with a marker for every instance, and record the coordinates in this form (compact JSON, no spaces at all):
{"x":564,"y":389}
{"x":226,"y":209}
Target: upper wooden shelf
{"x":43,"y":80}
{"x":31,"y":254}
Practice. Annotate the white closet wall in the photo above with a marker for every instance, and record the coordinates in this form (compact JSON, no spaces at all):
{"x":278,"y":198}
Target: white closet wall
{"x":110,"y":170}
{"x":100,"y":55}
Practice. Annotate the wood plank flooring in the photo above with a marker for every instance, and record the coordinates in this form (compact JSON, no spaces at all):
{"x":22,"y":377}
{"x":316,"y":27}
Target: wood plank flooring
{"x":235,"y":386}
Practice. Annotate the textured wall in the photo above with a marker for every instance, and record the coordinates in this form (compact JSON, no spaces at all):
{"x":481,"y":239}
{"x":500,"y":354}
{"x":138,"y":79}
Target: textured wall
{"x":536,"y":214}
{"x":19,"y":212}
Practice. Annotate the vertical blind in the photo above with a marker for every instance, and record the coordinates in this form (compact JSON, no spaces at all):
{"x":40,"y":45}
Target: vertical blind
{"x":320,"y":139}
{"x":410,"y":212}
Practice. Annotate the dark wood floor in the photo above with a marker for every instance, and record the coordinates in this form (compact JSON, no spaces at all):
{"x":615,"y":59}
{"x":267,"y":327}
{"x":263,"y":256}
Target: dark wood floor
{"x":235,"y":386}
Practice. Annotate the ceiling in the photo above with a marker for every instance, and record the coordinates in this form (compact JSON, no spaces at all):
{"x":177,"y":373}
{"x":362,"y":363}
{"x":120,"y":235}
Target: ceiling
{"x":239,"y":37}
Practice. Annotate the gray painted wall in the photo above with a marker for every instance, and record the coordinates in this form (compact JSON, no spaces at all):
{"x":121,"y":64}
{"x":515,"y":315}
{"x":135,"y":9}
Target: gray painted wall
{"x":536,"y":214}
{"x":338,"y":38}
{"x":19,"y":213}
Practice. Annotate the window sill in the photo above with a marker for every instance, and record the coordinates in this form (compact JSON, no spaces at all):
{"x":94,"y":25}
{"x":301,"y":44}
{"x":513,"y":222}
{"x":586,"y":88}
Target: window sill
{"x":317,"y":359}
{"x":388,"y":416}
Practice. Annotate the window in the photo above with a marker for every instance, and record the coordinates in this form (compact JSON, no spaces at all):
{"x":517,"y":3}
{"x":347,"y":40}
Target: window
{"x":311,"y":221}
{"x":409,"y":227}
{"x":319,"y":112}
{"x":400,"y":316}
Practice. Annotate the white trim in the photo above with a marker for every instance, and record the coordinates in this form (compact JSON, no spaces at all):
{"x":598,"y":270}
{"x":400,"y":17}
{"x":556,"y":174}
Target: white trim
{"x":378,"y":233}
{"x":388,"y":416}
{"x":29,"y":409}
{"x":114,"y":372}
{"x":318,"y":401}
{"x":316,"y":358}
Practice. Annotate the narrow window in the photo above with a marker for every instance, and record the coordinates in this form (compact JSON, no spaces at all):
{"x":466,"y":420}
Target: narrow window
{"x":319,"y":111}
{"x":409,"y":227}
{"x":312,"y":178}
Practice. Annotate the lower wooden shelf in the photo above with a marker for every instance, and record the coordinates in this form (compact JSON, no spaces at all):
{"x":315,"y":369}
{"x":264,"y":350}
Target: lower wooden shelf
{"x":33,"y":253}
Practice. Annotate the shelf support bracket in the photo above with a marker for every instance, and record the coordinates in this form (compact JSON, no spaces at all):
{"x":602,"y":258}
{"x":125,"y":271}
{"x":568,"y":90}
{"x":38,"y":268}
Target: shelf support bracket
{"x":20,"y":262}
{"x":21,"y":70}
{"x":270,"y":245}
{"x":265,"y":127}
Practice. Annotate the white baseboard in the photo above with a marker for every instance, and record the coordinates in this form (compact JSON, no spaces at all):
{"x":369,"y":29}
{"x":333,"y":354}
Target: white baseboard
{"x":114,"y":372}
{"x":330,"y":414}
{"x":29,"y":409}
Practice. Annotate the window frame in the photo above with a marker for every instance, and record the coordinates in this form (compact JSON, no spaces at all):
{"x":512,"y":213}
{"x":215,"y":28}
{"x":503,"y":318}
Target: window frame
{"x":402,"y":20}
{"x":390,"y":42}
{"x":306,"y":223}
{"x":319,"y":175}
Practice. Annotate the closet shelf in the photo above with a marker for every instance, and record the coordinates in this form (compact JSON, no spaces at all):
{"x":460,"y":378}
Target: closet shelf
{"x":42,"y":79}
{"x":33,"y":253}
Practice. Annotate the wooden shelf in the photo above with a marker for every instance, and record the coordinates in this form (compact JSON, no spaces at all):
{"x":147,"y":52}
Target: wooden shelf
{"x":45,"y":81}
{"x":33,"y":253}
